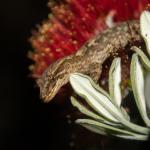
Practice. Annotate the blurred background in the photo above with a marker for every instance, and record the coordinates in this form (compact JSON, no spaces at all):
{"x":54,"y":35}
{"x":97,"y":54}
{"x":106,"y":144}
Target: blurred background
{"x":26,"y":122}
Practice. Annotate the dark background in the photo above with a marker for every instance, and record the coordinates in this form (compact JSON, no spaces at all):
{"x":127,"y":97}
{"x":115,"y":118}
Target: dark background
{"x":25,"y":122}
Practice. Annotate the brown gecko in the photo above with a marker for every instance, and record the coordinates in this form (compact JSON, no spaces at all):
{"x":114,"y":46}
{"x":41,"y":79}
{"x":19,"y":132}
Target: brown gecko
{"x":88,"y":59}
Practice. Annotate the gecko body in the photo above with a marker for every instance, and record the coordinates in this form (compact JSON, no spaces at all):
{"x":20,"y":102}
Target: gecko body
{"x":89,"y":58}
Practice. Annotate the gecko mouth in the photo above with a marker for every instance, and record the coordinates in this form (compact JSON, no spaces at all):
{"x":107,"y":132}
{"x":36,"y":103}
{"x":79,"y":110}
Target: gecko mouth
{"x":48,"y":97}
{"x":51,"y":93}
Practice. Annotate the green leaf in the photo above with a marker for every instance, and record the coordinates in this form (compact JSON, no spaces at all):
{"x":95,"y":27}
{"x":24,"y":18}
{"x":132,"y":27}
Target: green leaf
{"x":104,"y":129}
{"x":91,"y":114}
{"x":125,"y":113}
{"x":147,"y":92}
{"x":114,"y":85}
{"x":114,"y":82}
{"x":85,"y":111}
{"x":137,"y":80}
{"x":97,"y":100}
{"x":83,"y":85}
{"x":145,"y":28}
{"x":145,"y":60}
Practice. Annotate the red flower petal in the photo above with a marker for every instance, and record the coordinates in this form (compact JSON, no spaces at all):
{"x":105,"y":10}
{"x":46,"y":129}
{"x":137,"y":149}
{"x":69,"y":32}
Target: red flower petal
{"x":72,"y":23}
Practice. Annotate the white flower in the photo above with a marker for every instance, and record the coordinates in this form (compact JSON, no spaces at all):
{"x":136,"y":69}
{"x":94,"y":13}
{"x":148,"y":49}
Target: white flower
{"x":109,"y":119}
{"x":109,"y":116}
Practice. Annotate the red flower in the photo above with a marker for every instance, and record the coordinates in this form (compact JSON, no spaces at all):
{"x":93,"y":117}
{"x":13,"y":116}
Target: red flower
{"x":72,"y":22}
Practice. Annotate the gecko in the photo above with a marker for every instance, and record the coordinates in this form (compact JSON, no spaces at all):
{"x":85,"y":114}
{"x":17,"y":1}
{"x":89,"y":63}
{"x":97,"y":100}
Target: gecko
{"x":88,"y":59}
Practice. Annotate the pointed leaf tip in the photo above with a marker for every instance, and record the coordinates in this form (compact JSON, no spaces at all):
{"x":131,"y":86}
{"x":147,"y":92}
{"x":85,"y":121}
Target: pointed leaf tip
{"x":145,"y":28}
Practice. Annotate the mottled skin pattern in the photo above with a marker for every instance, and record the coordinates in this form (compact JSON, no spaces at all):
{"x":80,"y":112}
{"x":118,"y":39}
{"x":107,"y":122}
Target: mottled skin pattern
{"x":88,"y":59}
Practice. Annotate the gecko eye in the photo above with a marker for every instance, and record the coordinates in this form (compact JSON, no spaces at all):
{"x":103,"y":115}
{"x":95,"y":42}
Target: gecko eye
{"x":50,"y":77}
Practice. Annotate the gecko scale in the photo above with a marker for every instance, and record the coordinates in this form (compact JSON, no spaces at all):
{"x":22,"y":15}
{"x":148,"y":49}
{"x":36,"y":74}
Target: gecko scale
{"x":89,"y":58}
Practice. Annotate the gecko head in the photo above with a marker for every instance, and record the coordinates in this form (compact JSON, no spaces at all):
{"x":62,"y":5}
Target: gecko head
{"x":51,"y":81}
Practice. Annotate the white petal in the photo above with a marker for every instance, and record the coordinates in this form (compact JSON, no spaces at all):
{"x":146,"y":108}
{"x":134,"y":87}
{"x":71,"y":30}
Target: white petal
{"x":114,"y":82}
{"x":147,"y":91}
{"x":81,"y":84}
{"x":104,"y":129}
{"x":144,"y":58}
{"x":85,"y":110}
{"x":91,"y":114}
{"x":137,"y":80}
{"x":145,"y":28}
{"x":84,"y":86}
